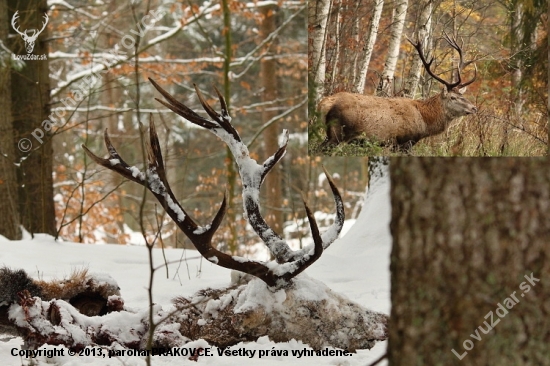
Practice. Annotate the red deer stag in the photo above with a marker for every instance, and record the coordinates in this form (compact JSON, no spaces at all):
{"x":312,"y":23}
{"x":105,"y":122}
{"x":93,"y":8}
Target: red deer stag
{"x":288,"y":263}
{"x":398,"y":122}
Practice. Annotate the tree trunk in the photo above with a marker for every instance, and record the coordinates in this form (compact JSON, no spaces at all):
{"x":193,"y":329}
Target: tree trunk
{"x":336,"y":53}
{"x":318,"y":17}
{"x":268,"y":70}
{"x":231,"y":172}
{"x":351,"y":56}
{"x":30,"y":96}
{"x":423,"y":34}
{"x":364,"y":60}
{"x":470,"y":246}
{"x":398,"y":20}
{"x":9,"y":224}
{"x":517,"y":50}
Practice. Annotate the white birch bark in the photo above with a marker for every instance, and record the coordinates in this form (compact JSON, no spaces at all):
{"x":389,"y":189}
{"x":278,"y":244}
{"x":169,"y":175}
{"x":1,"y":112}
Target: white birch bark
{"x":364,"y":59}
{"x":336,"y":56}
{"x":396,"y":31}
{"x":423,"y":34}
{"x":318,"y":16}
{"x":351,"y":55}
{"x":517,"y":47}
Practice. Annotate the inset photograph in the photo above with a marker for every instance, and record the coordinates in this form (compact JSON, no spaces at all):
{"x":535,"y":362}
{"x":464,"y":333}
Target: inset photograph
{"x":466,"y":78}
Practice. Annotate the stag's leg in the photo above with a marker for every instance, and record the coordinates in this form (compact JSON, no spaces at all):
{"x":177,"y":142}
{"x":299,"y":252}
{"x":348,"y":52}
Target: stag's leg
{"x":404,"y":147}
{"x":335,"y":133}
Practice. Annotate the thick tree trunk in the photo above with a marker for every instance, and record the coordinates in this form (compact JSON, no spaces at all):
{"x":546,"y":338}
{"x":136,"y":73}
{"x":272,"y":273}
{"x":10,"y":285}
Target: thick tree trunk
{"x":470,"y":253}
{"x":9,"y":223}
{"x":396,"y":31}
{"x":30,"y":96}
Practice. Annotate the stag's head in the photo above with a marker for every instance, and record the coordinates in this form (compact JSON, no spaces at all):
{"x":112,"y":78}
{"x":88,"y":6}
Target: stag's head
{"x":29,"y":35}
{"x":454,"y":103}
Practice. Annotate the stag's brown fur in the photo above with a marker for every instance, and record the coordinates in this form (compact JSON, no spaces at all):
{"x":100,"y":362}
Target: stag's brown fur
{"x":399,"y":122}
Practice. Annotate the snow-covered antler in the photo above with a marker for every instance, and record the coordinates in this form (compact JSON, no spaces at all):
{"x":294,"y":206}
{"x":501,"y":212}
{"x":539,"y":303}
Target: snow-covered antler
{"x":290,"y":263}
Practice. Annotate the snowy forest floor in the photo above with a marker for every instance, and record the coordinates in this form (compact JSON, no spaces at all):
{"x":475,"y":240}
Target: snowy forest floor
{"x":357,"y":266}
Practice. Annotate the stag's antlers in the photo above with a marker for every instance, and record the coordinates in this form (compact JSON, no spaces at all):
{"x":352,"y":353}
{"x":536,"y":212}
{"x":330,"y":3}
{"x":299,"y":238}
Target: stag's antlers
{"x":28,"y":39}
{"x":427,"y":64}
{"x":14,"y":22}
{"x":289,"y":263}
{"x":24,"y":34}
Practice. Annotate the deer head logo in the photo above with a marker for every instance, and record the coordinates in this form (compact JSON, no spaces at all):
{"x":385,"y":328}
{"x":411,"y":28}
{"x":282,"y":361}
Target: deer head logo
{"x":33,"y":34}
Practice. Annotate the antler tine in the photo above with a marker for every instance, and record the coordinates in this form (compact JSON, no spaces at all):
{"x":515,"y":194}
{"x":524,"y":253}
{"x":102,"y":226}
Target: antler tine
{"x":454,"y":44}
{"x":115,"y":162}
{"x":472,"y":80}
{"x":427,"y":65}
{"x":461,"y":64}
{"x":274,"y":159}
{"x":331,"y":234}
{"x":154,"y":179}
{"x":181,"y":109}
{"x":45,"y":22}
{"x":14,"y":22}
{"x":224,"y":120}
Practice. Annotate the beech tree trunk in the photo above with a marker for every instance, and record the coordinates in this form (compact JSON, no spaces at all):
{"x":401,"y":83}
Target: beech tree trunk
{"x":9,"y":222}
{"x":273,"y":181}
{"x":470,"y":254}
{"x":30,"y":97}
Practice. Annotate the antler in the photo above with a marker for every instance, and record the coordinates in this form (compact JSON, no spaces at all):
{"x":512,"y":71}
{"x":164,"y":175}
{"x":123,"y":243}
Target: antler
{"x":290,"y":263}
{"x":461,"y":66}
{"x":44,"y":23}
{"x":35,"y":32}
{"x":13,"y":23}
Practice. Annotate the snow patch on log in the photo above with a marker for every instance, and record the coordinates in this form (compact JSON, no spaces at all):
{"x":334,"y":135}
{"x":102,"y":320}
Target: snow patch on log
{"x":307,"y":310}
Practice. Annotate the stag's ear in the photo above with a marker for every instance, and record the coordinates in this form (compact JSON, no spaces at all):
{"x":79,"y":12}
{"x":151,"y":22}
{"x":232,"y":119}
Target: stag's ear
{"x":462,"y":90}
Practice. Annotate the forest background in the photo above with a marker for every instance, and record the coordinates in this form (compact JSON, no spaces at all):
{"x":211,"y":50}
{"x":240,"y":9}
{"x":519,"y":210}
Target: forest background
{"x":99,"y":56}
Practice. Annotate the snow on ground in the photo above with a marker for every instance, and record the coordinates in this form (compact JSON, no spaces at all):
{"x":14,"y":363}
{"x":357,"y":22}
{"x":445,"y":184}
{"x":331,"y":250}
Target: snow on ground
{"x":357,"y":265}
